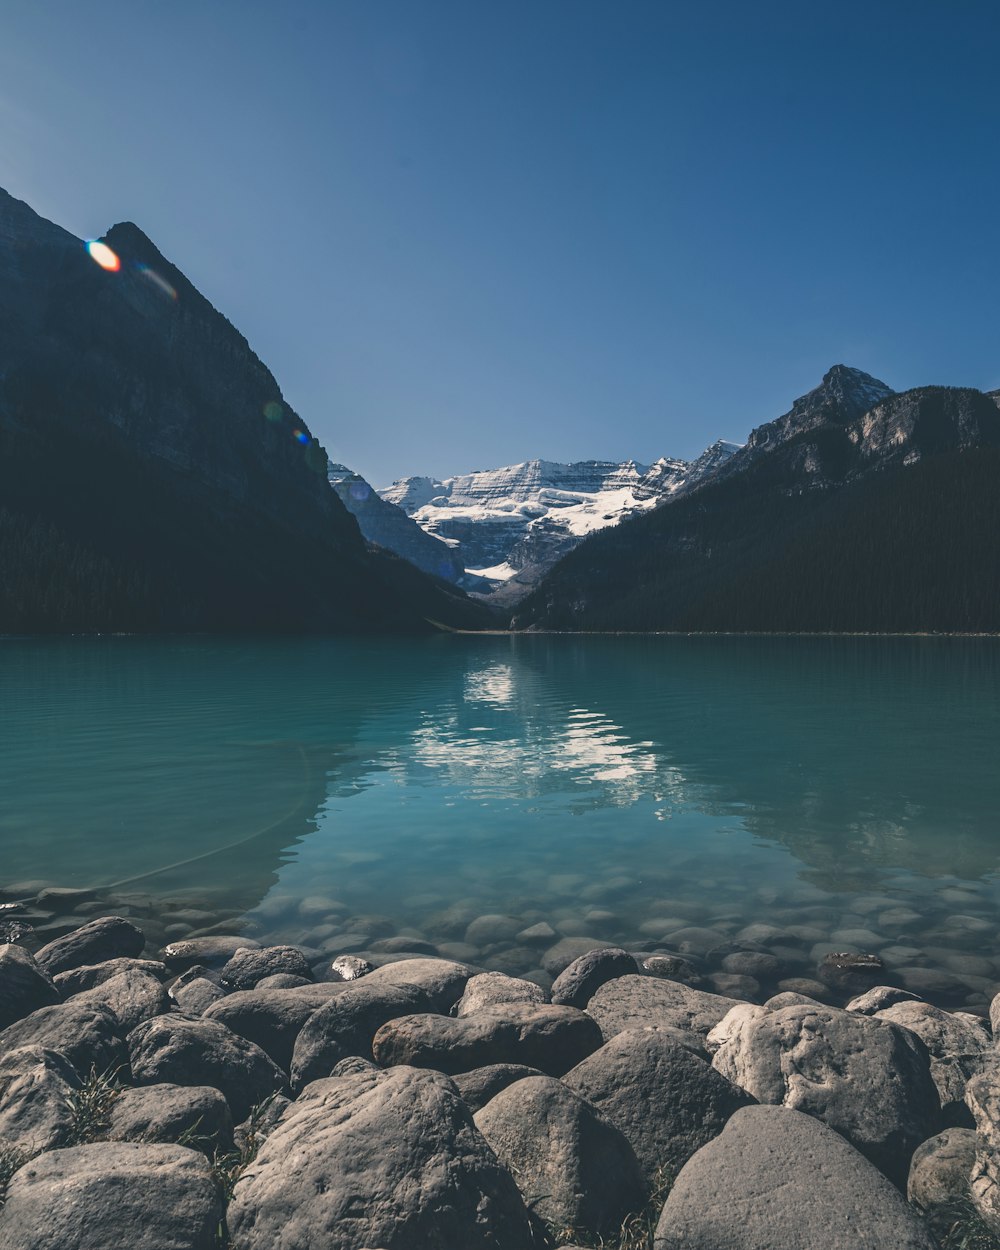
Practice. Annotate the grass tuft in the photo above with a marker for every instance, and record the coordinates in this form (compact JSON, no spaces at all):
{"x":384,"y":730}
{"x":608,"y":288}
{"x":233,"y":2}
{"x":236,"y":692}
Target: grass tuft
{"x":637,"y":1229}
{"x":91,"y":1108}
{"x":10,"y":1160}
{"x":961,"y":1227}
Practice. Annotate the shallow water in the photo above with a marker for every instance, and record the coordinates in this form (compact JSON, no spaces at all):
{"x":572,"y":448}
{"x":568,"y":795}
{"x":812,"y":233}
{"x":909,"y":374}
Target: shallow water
{"x":338,"y":793}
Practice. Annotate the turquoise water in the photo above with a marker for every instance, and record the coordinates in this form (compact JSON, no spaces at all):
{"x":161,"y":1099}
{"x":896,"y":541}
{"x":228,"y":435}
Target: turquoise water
{"x":327,"y":789}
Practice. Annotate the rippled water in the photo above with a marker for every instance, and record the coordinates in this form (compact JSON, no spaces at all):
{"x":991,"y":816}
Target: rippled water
{"x":846,"y":791}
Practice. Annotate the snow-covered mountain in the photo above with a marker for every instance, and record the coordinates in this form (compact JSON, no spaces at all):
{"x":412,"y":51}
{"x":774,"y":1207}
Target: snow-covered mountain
{"x":512,"y":523}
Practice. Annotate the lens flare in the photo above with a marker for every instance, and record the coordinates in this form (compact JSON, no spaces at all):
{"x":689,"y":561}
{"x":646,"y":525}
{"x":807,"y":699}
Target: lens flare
{"x":272,"y":410}
{"x":104,"y":256}
{"x":157,"y":280}
{"x":301,"y":436}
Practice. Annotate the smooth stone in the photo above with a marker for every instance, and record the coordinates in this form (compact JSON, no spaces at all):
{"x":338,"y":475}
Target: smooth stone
{"x":957,"y":1052}
{"x":573,"y":1167}
{"x":64,"y":898}
{"x":167,"y":1113}
{"x":897,"y":955}
{"x":562,"y":953}
{"x":344,"y":968}
{"x":78,"y":980}
{"x":214,"y":951}
{"x":899,"y":918}
{"x":109,"y":937}
{"x":491,"y":989}
{"x":672,"y":968}
{"x":633,"y":1002}
{"x":867,"y":1078}
{"x":940,"y":1171}
{"x":442,"y":980}
{"x":24,"y":986}
{"x":194,"y":997}
{"x":849,"y":972}
{"x":36,"y":1090}
{"x":548,"y":1037}
{"x":878,"y":998}
{"x":758,"y":964}
{"x":459,"y":952}
{"x":666,"y":1100}
{"x":580,"y":980}
{"x":283,"y":981}
{"x":382,"y":1159}
{"x":924,"y":981}
{"x":695,"y":940}
{"x":776,"y":1179}
{"x":133,"y":996}
{"x":481,"y":1084}
{"x":347,"y":1023}
{"x":178,"y":1051}
{"x":403,"y":945}
{"x":732,"y":986}
{"x":487,"y":930}
{"x":87,"y":1035}
{"x":112,"y":1195}
{"x":790,"y":998}
{"x":347,"y":941}
{"x":762,"y":934}
{"x":249,"y":965}
{"x":272,"y":1019}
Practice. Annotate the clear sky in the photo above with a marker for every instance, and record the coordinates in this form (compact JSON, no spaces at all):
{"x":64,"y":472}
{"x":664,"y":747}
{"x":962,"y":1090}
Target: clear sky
{"x":464,"y":233}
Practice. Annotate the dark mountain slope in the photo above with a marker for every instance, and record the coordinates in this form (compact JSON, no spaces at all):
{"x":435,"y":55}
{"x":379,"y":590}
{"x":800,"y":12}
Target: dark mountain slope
{"x":887,"y":523}
{"x":151,"y":475}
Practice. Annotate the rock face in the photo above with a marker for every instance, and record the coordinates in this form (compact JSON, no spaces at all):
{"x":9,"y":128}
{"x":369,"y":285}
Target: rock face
{"x":382,"y":1159}
{"x":177,"y":1051}
{"x":552,"y":1039}
{"x":24,"y":987}
{"x":779,"y":1180}
{"x":868,"y":1079}
{"x":576,"y":985}
{"x":572,"y":1166}
{"x":632,"y":1002}
{"x":109,"y":937}
{"x":666,"y":1101}
{"x":112,"y":1194}
{"x":36,"y":1086}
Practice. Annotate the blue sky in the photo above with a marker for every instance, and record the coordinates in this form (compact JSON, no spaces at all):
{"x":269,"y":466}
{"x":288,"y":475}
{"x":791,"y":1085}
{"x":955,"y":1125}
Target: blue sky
{"x":463,"y":233}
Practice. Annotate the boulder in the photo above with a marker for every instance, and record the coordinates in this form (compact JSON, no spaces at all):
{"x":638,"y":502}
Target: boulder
{"x":112,"y":1195}
{"x":562,"y":953}
{"x":212,"y":952}
{"x":350,"y":968}
{"x":867,"y":1078}
{"x":552,"y":1039}
{"x":635,"y":1002}
{"x":191,"y":1115}
{"x":133,"y":996}
{"x":778,"y":1180}
{"x":667,"y":1101}
{"x":271,"y":1019}
{"x":957,"y":1052}
{"x":481,"y":1084}
{"x":87,"y":1035}
{"x":24,"y":987}
{"x":580,"y":980}
{"x":940,"y":1171}
{"x":194,"y":997}
{"x":982,"y":1095}
{"x":491,"y":989}
{"x":249,"y":965}
{"x":849,"y":972}
{"x":672,"y":968}
{"x":36,"y":1089}
{"x":109,"y":937}
{"x":381,"y":1159}
{"x":283,"y":981}
{"x":442,"y":980}
{"x":347,"y":1023}
{"x":78,"y":980}
{"x":879,"y":998}
{"x":175,"y":1050}
{"x":572,"y":1167}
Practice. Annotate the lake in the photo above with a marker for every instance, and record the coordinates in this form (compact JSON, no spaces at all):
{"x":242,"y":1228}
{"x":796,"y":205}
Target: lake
{"x":383,"y":794}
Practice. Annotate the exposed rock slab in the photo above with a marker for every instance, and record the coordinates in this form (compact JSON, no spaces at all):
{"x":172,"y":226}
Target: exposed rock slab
{"x":382,"y":1159}
{"x":779,"y":1180}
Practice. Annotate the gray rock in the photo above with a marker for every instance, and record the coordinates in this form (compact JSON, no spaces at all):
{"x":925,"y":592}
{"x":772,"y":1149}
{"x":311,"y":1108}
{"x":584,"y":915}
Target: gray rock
{"x":635,"y":1002}
{"x":571,"y":1166}
{"x":283,"y":981}
{"x":695,"y":940}
{"x":133,"y":996}
{"x":788,"y":998}
{"x":540,"y":934}
{"x":78,"y":980}
{"x":441,"y":979}
{"x":24,"y":987}
{"x":112,"y":1195}
{"x":194,"y":997}
{"x":36,"y":1088}
{"x":550,"y":1038}
{"x":673,"y":968}
{"x":86,"y":1035}
{"x":850,"y":972}
{"x":580,"y":980}
{"x":957,"y":1052}
{"x":867,"y":1078}
{"x":350,"y":968}
{"x":250,"y":965}
{"x":982,"y":1095}
{"x":403,"y":945}
{"x":995,"y":1016}
{"x":666,"y":1100}
{"x":732,"y":985}
{"x":481,"y":1084}
{"x":940,"y":1170}
{"x":213,"y":952}
{"x":386,"y":1159}
{"x":757,"y":964}
{"x":491,"y":989}
{"x":272,"y":1019}
{"x":197,"y":1114}
{"x":778,"y":1180}
{"x":110,"y":937}
{"x":175,"y":1050}
{"x":488,"y":930}
{"x":560,"y":955}
{"x":347,"y":1023}
{"x":879,"y":998}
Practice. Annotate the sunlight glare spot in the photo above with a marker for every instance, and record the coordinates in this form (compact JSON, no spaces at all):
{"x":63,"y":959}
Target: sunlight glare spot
{"x":104,"y":256}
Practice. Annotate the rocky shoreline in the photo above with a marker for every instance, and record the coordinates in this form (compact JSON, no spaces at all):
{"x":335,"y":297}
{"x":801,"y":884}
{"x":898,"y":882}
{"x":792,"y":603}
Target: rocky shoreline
{"x":219,"y":1092}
